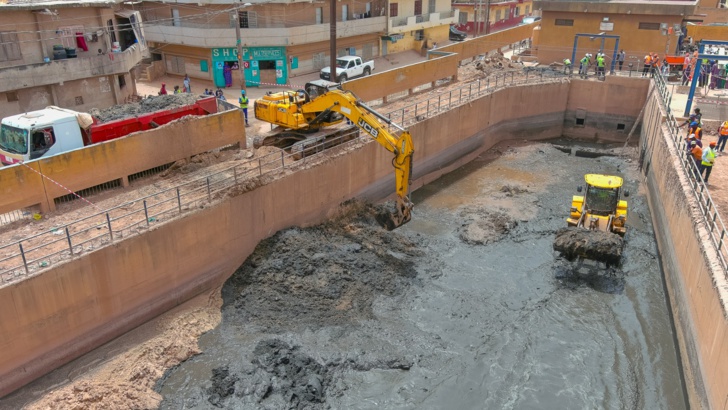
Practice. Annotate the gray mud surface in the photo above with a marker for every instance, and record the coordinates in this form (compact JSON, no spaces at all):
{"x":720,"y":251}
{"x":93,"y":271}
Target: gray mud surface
{"x":147,"y":105}
{"x":465,"y":307}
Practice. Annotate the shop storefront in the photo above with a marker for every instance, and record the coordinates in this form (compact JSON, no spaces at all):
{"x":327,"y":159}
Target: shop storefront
{"x":262,"y":65}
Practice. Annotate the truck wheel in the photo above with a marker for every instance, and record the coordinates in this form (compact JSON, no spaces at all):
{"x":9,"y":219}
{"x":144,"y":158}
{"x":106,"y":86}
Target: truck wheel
{"x":367,"y":71}
{"x":343,"y":78}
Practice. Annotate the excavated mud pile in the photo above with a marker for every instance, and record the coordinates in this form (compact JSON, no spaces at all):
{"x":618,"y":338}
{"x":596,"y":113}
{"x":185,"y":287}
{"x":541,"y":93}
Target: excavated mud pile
{"x":151,"y":104}
{"x":320,"y":276}
{"x":482,"y":226}
{"x":595,"y":245}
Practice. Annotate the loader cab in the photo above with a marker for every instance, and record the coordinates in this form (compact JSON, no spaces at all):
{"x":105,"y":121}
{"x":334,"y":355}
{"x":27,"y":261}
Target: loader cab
{"x":602,"y":193}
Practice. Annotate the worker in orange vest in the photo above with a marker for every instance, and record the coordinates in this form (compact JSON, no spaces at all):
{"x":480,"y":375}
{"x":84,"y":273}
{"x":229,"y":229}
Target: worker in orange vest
{"x":648,"y":65}
{"x":723,"y":136}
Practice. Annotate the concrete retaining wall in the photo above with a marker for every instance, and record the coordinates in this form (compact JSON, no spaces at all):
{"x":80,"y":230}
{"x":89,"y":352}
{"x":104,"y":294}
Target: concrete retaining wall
{"x":695,"y":280}
{"x":49,"y":319}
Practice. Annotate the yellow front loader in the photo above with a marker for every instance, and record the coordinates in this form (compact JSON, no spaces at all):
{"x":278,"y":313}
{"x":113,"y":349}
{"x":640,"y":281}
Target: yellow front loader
{"x":597,"y":221}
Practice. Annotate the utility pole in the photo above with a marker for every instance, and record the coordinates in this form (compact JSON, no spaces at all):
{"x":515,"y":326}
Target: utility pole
{"x":487,"y":17}
{"x":332,"y":43}
{"x":241,"y":66}
{"x":476,"y":16}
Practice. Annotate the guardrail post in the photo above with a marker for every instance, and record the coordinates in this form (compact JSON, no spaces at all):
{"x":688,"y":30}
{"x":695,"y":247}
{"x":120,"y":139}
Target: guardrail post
{"x":179,"y":201}
{"x":146,"y":212}
{"x":68,"y":237}
{"x":209,"y":194}
{"x":22,"y":254}
{"x":108,"y":224}
{"x":720,"y":242}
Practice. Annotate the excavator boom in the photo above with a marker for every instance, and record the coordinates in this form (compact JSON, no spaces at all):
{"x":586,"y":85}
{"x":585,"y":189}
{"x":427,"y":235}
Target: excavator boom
{"x":321,"y":105}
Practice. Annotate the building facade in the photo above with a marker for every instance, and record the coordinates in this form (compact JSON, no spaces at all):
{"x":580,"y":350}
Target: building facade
{"x":643,"y":27}
{"x":500,"y":15}
{"x":73,"y":55}
{"x":283,"y":40}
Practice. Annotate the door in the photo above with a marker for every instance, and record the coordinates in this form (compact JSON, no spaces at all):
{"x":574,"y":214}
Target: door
{"x":432,"y":6}
{"x":418,"y":7}
{"x":175,"y":18}
{"x":319,"y":15}
{"x":344,"y":12}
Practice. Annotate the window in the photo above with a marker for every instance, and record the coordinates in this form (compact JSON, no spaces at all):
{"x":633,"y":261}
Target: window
{"x":649,"y":26}
{"x":517,"y":12}
{"x":420,"y":35}
{"x":462,"y":17}
{"x":79,"y":100}
{"x":43,"y":140}
{"x":9,"y":46}
{"x":497,"y":15}
{"x":13,"y":140}
{"x":319,"y":15}
{"x":248,"y":19}
{"x":344,"y":12}
{"x":122,"y":81}
{"x":564,"y":22}
{"x":11,"y":96}
{"x":393,"y":9}
{"x":175,"y":18}
{"x":528,"y":9}
{"x":431,"y":6}
{"x":418,"y":7}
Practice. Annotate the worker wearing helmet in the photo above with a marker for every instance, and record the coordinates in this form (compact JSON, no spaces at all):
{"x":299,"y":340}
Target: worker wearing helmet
{"x":243,"y":100}
{"x":584,"y":65}
{"x":708,"y":161}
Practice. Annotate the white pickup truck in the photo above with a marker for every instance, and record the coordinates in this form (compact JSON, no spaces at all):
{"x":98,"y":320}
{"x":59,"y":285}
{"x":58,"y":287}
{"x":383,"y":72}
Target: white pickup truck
{"x":348,"y":67}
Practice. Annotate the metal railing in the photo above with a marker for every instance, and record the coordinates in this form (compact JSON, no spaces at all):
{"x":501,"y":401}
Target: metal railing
{"x":32,"y":254}
{"x":706,"y":205}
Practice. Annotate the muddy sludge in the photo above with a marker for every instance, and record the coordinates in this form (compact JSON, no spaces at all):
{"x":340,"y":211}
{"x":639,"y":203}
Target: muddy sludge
{"x":503,"y":323}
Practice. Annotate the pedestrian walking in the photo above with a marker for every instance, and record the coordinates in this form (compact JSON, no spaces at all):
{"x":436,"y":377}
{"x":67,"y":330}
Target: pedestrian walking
{"x":708,"y":161}
{"x":620,"y":58}
{"x":243,"y":100}
{"x":723,"y":136}
{"x":186,"y":83}
{"x":163,"y":90}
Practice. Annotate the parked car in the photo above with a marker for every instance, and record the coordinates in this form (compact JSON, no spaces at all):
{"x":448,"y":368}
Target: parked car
{"x":457,"y":35}
{"x":529,"y":20}
{"x":348,"y":67}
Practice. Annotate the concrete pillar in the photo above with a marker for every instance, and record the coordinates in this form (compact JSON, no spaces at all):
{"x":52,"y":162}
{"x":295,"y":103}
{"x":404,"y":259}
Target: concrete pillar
{"x":124,"y":181}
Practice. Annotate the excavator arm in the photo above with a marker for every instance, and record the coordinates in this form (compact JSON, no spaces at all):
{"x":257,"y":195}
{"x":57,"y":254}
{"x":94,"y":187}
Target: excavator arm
{"x":366,"y":118}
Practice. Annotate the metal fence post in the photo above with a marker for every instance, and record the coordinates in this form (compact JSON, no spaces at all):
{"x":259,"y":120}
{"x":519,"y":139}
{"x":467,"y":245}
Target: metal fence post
{"x":146,"y":212}
{"x":209,"y":194}
{"x":179,"y":201}
{"x":68,"y":236}
{"x":108,"y":224}
{"x":22,"y":254}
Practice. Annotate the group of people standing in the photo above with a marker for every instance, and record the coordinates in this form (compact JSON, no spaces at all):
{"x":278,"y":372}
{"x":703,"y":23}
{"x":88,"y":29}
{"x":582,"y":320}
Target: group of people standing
{"x":703,"y":157}
{"x":599,"y":63}
{"x":185,"y":83}
{"x":710,"y":72}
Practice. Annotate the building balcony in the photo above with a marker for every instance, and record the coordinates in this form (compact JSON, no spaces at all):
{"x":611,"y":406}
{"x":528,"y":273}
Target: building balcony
{"x":210,"y":36}
{"x":70,"y":69}
{"x":408,"y":23}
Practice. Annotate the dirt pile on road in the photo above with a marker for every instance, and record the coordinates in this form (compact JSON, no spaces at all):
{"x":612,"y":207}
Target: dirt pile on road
{"x":324,"y":275}
{"x":147,"y":105}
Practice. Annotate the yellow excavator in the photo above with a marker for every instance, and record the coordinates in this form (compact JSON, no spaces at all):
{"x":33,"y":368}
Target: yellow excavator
{"x":597,"y":221}
{"x":302,"y":113}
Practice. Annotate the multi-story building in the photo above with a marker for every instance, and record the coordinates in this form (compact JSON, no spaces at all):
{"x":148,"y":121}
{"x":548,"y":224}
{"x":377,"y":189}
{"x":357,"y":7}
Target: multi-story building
{"x":76,"y":55}
{"x":501,"y":14}
{"x":282,"y":40}
{"x":643,"y":26}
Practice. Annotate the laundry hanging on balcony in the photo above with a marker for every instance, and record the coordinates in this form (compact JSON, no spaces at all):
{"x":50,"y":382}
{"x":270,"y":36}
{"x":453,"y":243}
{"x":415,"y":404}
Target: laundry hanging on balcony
{"x":81,"y":42}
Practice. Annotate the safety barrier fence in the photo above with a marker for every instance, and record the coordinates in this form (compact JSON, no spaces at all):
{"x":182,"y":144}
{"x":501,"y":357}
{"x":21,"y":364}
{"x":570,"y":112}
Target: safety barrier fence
{"x":32,"y":254}
{"x":708,"y":210}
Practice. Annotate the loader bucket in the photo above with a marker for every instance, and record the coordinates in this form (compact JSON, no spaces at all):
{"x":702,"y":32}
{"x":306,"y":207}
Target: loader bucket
{"x":391,"y":220}
{"x":589,"y":244}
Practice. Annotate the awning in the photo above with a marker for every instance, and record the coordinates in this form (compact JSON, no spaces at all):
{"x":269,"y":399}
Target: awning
{"x":124,"y":13}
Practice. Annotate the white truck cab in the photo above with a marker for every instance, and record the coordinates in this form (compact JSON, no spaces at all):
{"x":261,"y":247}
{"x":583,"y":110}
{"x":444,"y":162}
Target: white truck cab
{"x":35,"y":134}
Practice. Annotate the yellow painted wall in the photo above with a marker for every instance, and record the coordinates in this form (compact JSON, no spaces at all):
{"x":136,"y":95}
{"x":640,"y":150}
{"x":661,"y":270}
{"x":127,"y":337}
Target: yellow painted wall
{"x":708,"y":32}
{"x":556,"y":42}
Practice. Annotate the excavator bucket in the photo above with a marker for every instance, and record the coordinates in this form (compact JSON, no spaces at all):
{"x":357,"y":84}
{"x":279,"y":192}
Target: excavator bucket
{"x":391,"y":220}
{"x":595,"y":245}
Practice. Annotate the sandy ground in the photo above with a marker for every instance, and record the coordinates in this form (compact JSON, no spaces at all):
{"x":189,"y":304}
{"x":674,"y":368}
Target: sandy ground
{"x":128,"y":368}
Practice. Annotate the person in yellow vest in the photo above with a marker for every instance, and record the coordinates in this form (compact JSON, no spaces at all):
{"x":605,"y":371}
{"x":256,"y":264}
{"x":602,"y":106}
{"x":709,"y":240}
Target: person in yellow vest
{"x":706,"y":164}
{"x":723,"y":136}
{"x":243,"y":100}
